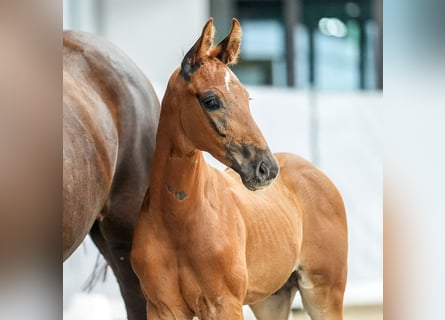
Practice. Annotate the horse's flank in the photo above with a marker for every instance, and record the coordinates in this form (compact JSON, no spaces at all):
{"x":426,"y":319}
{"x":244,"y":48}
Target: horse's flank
{"x":110,"y":116}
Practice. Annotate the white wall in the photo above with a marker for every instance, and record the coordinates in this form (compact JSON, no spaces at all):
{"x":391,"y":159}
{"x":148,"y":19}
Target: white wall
{"x":155,"y":34}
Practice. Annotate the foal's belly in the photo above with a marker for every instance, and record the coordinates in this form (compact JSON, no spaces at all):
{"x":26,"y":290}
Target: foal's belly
{"x":273,"y":241}
{"x":271,"y":259}
{"x":273,"y":226}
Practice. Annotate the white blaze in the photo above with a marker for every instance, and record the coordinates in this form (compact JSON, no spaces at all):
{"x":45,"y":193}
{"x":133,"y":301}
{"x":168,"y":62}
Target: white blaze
{"x":227,"y":79}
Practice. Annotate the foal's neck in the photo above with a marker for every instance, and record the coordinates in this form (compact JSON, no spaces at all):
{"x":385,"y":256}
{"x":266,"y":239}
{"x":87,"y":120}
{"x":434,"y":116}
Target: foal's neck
{"x":179,"y":174}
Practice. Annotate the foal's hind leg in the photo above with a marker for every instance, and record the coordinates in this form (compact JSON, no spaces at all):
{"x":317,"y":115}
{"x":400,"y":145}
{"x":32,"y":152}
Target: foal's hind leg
{"x":322,"y":296}
{"x":277,"y":306}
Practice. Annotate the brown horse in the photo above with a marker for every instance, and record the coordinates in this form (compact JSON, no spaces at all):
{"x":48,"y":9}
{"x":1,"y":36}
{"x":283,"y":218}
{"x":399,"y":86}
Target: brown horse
{"x":206,"y":242}
{"x":110,"y":116}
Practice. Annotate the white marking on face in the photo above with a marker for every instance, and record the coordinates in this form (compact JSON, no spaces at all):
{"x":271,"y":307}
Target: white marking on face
{"x":227,"y":79}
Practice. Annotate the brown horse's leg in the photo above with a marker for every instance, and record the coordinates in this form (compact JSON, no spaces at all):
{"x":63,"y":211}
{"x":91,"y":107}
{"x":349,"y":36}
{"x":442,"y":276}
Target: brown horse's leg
{"x":117,"y":254}
{"x":278,"y":305}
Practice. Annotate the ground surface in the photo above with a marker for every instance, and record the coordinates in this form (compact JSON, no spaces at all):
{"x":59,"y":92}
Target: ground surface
{"x":374,"y":312}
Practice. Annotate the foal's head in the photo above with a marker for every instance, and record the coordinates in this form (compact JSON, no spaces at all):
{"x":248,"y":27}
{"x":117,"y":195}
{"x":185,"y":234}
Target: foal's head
{"x":214,"y":108}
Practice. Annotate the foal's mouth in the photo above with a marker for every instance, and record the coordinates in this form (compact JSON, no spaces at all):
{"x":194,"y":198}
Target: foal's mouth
{"x":254,"y":185}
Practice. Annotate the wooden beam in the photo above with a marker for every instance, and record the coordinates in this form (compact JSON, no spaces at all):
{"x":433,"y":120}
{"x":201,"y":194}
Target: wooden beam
{"x":290,"y":14}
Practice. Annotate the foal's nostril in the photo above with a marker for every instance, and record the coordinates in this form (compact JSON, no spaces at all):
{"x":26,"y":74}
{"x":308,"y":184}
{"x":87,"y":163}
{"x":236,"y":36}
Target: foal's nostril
{"x":262,"y":170}
{"x":273,"y":172}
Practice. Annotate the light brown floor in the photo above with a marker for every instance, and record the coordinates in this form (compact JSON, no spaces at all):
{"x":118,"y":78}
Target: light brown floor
{"x":373,"y":312}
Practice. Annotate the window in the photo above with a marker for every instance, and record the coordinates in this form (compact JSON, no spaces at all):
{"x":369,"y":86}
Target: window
{"x":334,"y":43}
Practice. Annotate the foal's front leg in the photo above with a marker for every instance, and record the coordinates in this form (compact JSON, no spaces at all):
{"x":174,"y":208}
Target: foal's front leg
{"x":161,"y":311}
{"x":230,"y":315}
{"x":222,"y":312}
{"x":228,"y":310}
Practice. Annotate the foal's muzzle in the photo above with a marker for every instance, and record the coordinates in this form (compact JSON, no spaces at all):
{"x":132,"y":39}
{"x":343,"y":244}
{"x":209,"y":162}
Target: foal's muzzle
{"x":256,"y":167}
{"x":266,"y":170}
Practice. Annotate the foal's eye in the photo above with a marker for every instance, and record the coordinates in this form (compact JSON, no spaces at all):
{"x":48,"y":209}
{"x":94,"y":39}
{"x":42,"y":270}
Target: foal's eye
{"x":211,"y":103}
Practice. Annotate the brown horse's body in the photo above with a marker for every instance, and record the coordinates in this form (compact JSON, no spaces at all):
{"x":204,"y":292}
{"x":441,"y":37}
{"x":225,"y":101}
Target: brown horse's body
{"x":110,"y":116}
{"x":207,"y":241}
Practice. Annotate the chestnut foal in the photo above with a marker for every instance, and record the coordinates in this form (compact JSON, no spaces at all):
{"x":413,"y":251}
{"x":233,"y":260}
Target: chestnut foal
{"x":206,"y":242}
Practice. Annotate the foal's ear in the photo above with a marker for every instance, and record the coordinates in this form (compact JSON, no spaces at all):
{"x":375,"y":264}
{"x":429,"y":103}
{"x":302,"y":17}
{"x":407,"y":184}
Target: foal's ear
{"x":228,"y":49}
{"x":199,"y":51}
